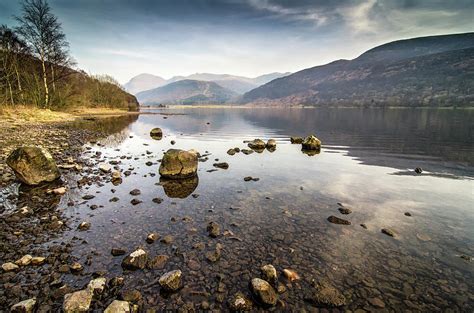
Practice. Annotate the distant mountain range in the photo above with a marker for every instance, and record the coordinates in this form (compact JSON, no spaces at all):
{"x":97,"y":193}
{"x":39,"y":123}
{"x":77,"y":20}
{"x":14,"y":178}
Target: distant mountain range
{"x":425,"y":71}
{"x":238,"y":84}
{"x":187,"y":91}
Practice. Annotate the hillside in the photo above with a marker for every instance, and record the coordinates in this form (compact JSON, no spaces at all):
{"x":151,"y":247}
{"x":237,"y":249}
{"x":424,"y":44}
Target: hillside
{"x":187,"y":92}
{"x":144,"y":82}
{"x":238,"y":84}
{"x":426,"y":71}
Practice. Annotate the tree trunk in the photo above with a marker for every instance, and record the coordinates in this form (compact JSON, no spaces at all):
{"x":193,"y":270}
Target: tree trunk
{"x":11,"y":92}
{"x":19,"y":84}
{"x":45,"y":82}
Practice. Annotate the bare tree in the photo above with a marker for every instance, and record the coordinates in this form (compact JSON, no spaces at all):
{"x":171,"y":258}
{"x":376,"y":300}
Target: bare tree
{"x":12,"y":51}
{"x":42,"y":31}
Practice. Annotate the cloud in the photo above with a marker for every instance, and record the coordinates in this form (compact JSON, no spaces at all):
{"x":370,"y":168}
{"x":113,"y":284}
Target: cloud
{"x":359,"y":17}
{"x":308,"y":14}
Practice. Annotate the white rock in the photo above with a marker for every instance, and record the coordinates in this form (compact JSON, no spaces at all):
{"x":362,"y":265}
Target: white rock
{"x":9,"y":266}
{"x":25,"y":306}
{"x":106,"y":168}
{"x":97,"y":285}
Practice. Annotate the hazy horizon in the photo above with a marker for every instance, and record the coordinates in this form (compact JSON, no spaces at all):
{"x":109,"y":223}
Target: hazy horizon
{"x":246,"y":38}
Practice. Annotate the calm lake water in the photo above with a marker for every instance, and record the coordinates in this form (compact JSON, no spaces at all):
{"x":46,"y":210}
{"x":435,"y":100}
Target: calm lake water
{"x":366,"y":163}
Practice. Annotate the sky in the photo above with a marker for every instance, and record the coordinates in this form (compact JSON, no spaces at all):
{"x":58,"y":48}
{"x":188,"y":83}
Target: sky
{"x":124,"y":38}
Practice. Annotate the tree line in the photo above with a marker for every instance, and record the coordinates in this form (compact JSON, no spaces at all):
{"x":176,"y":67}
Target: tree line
{"x":36,"y":67}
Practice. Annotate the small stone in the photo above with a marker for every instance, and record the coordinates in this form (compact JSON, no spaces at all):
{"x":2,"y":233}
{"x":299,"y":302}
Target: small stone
{"x":136,"y":260}
{"x":9,"y":266}
{"x":240,"y":303}
{"x":25,"y":306}
{"x":345,"y":211}
{"x":213,"y":229}
{"x":222,"y":165}
{"x":76,"y":267}
{"x":311,"y":143}
{"x":256,"y":144}
{"x":135,"y":201}
{"x":388,"y":231}
{"x":151,"y":238}
{"x":156,"y":133}
{"x":157,"y":200}
{"x":24,"y":260}
{"x":171,"y":281}
{"x":84,"y":226}
{"x":117,"y":251}
{"x":38,"y":260}
{"x":97,"y":286}
{"x":407,"y":214}
{"x":131,"y":295}
{"x":231,"y":152}
{"x":135,"y":192}
{"x":363,"y":226}
{"x":78,"y":301}
{"x":423,"y":237}
{"x":271,"y":144}
{"x":296,"y":140}
{"x":106,"y":168}
{"x":291,"y":275}
{"x":60,"y":191}
{"x":118,"y":306}
{"x":418,"y":170}
{"x":377,"y":302}
{"x":269,"y":273}
{"x":264,"y":292}
{"x":158,"y":262}
{"x":336,"y":220}
{"x":327,"y":295}
{"x":168,"y":239}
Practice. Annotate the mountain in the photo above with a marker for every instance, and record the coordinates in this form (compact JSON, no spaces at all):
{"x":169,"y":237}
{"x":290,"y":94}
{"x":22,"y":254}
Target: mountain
{"x":238,"y":84}
{"x":187,"y":92}
{"x":425,"y":71}
{"x":144,"y":82}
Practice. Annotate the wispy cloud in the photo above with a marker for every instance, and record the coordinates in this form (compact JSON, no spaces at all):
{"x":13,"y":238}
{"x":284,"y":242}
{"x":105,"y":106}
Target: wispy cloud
{"x":307,"y":14}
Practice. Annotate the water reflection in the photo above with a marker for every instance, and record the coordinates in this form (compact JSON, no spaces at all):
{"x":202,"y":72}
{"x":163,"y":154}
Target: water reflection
{"x":179,"y":188}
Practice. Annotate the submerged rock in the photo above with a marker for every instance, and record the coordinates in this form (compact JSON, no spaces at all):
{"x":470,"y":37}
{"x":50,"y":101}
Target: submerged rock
{"x":177,"y":164}
{"x":345,"y":211}
{"x":33,"y":165}
{"x":156,"y":133}
{"x":78,"y":301}
{"x":171,"y":281}
{"x":158,"y":262}
{"x":118,"y":306}
{"x":388,"y":232}
{"x":263,"y":292}
{"x":136,"y":260}
{"x":311,"y":143}
{"x":325,"y":294}
{"x":213,"y":229}
{"x":336,"y":220}
{"x":25,"y":306}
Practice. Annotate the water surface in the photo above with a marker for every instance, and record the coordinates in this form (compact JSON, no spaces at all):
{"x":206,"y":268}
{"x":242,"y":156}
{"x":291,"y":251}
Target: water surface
{"x":366,"y":163}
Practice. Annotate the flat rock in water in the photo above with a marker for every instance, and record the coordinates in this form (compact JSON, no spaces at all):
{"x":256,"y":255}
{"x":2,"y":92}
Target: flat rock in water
{"x":325,"y":294}
{"x":222,"y":165}
{"x":336,"y":220}
{"x":33,"y":165}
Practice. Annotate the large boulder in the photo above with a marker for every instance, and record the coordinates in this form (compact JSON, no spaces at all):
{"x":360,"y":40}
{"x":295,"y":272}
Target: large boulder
{"x":177,"y":164}
{"x":33,"y":165}
{"x":311,"y":143}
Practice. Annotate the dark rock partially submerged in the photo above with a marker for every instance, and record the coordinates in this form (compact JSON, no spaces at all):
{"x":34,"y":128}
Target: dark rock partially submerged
{"x":336,"y":220}
{"x":325,"y":294}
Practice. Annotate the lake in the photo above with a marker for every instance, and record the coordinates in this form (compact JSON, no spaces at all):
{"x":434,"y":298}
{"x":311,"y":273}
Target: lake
{"x":366,"y":164}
